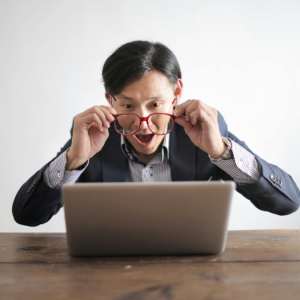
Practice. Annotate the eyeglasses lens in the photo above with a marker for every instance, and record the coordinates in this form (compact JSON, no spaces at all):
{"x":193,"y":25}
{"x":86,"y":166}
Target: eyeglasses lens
{"x":127,"y":124}
{"x":158,"y":124}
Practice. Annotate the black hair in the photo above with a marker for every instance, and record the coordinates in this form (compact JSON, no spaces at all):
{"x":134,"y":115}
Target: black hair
{"x":132,"y":60}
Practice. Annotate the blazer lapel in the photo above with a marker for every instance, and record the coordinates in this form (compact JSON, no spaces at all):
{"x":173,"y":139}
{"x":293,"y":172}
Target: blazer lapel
{"x":114,"y":162}
{"x":182,"y":155}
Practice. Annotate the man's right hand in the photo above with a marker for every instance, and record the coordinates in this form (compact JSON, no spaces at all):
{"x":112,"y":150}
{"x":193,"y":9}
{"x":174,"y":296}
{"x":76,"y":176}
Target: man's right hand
{"x":90,"y":133}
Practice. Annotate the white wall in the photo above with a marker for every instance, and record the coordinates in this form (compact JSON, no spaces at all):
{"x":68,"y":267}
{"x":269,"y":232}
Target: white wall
{"x":241,"y":57}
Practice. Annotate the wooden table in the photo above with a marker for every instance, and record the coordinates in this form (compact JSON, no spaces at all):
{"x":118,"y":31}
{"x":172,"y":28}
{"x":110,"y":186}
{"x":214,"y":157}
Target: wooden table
{"x":257,"y":264}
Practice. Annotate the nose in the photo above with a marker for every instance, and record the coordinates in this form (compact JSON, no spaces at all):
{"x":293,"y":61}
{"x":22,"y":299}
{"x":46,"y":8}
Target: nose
{"x":144,"y":125}
{"x":143,"y":113}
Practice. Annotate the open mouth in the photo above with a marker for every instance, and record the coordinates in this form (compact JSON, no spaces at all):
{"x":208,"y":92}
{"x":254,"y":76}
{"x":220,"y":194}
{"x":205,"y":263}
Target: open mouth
{"x":144,"y":139}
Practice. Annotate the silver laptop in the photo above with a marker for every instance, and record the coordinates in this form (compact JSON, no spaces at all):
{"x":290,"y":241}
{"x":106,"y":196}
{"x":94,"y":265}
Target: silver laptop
{"x":175,"y":218}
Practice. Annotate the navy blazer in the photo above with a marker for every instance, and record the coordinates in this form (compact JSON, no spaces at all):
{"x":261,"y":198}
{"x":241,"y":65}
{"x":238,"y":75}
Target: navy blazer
{"x":36,"y":203}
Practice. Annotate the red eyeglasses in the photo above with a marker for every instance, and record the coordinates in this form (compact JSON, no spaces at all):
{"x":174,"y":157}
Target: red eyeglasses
{"x":158,"y":123}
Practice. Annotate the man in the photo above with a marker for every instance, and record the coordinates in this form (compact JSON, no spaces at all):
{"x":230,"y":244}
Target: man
{"x":154,"y":138}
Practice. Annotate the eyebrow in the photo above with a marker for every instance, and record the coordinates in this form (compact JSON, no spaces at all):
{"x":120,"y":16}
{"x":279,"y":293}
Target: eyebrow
{"x":124,"y":97}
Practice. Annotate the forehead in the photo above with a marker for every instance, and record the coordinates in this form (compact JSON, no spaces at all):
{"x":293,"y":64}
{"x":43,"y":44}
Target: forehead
{"x":152,"y":84}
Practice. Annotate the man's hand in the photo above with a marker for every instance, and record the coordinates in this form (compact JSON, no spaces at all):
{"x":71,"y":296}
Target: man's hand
{"x":89,"y":134}
{"x":201,"y":125}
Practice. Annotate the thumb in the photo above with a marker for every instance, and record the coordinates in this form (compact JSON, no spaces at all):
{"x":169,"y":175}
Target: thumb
{"x":187,"y":125}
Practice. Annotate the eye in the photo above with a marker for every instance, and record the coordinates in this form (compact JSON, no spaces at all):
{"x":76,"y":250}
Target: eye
{"x":127,"y":106}
{"x":155,"y":104}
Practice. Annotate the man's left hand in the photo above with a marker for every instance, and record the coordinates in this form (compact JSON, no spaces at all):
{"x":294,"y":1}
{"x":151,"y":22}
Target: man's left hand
{"x":201,"y":125}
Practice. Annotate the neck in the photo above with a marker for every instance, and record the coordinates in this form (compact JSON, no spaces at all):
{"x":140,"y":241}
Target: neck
{"x":146,"y":158}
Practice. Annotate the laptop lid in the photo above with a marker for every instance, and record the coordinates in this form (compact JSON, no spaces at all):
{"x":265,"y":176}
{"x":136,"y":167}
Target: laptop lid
{"x":174,"y":218}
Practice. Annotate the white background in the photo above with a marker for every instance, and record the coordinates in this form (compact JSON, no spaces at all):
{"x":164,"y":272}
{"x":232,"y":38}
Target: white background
{"x":241,"y":57}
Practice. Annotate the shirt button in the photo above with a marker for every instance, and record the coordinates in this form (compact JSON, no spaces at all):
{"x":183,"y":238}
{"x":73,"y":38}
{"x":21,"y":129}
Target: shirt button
{"x":58,"y":174}
{"x":147,"y":168}
{"x":147,"y":175}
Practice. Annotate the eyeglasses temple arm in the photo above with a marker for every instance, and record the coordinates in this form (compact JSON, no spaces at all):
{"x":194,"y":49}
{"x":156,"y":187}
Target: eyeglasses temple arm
{"x":173,"y":103}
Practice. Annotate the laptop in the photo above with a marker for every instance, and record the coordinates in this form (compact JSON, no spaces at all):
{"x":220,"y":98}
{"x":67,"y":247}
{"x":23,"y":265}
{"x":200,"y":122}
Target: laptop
{"x":166,"y":218}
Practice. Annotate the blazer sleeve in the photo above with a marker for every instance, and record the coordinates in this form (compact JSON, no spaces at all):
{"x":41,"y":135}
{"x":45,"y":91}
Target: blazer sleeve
{"x":35,"y":202}
{"x":275,"y":191}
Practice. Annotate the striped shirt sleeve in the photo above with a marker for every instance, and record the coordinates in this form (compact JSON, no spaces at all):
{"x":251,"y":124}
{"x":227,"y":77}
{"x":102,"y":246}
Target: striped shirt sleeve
{"x":55,"y":175}
{"x":244,"y":168}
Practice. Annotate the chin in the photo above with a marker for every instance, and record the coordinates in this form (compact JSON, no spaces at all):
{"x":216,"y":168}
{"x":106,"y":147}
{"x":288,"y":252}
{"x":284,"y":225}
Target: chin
{"x":146,"y":151}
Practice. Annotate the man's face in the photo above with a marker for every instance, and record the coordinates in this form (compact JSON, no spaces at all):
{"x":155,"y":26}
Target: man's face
{"x":153,"y":93}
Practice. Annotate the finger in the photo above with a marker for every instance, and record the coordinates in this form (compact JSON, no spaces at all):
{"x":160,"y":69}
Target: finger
{"x":98,"y":111}
{"x":210,"y":111}
{"x":199,"y":114}
{"x":194,"y":106}
{"x":180,"y":109}
{"x":92,"y":119}
{"x":189,"y":105}
{"x":185,"y":124}
{"x":109,"y":108}
{"x":87,"y":112}
{"x":108,"y":112}
{"x":101,"y":114}
{"x":95,"y":108}
{"x":198,"y":110}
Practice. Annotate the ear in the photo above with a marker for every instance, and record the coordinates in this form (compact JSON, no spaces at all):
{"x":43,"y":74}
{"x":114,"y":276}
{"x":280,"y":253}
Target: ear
{"x":178,"y":90}
{"x":110,"y":99}
{"x":107,"y":96}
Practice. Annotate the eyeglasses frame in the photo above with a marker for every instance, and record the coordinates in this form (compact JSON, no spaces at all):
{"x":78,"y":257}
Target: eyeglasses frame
{"x":143,"y":119}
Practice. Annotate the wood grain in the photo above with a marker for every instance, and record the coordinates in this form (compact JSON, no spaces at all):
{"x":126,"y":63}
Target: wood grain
{"x":93,"y":280}
{"x":257,"y":264}
{"x":242,"y":245}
